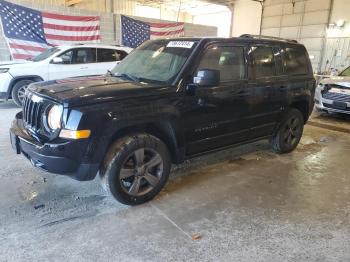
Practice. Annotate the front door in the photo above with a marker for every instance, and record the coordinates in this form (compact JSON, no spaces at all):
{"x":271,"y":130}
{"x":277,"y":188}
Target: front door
{"x":76,"y":62}
{"x":218,"y":116}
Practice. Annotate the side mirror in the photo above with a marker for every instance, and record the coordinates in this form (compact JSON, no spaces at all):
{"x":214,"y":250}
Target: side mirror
{"x":207,"y":77}
{"x":57,"y":60}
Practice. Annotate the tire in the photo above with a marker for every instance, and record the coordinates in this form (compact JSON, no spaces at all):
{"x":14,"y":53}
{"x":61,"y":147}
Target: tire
{"x":18,"y":91}
{"x":289,"y":133}
{"x":143,"y":161}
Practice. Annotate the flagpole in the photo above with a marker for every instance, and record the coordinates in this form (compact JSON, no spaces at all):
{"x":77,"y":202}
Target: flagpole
{"x":178,"y":13}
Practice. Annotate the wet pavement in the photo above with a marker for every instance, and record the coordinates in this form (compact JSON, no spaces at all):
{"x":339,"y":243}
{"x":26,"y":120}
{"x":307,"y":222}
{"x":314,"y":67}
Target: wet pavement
{"x":243,"y":204}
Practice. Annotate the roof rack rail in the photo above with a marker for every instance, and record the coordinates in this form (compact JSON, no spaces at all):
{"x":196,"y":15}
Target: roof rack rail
{"x":268,"y":38}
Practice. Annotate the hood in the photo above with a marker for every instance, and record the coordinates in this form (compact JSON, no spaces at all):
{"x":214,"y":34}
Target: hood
{"x":16,"y":62}
{"x":339,"y":81}
{"x":92,"y":89}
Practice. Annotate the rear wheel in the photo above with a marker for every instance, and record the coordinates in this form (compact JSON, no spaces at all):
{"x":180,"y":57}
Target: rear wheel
{"x":135,"y":169}
{"x":289,"y":132}
{"x":18,"y":91}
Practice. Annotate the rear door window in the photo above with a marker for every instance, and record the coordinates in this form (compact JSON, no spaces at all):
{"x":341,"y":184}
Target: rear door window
{"x":295,"y":61}
{"x":107,"y":55}
{"x":228,"y":60}
{"x":262,"y":61}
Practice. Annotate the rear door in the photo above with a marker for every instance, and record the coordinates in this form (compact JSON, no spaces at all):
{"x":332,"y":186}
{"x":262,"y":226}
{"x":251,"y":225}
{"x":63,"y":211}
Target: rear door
{"x":268,"y":84}
{"x":76,"y":62}
{"x":300,"y":79}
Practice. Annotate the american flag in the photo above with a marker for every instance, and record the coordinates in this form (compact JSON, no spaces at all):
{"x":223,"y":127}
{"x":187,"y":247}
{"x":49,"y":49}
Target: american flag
{"x":135,"y":32}
{"x":29,"y":32}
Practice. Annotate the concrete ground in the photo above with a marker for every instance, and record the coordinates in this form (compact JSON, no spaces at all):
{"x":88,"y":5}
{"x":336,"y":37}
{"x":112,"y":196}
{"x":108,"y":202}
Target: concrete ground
{"x":244,"y":204}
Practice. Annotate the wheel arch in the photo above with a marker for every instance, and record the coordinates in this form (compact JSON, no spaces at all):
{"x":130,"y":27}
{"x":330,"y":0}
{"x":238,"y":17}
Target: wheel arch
{"x":15,"y":80}
{"x":163,"y":130}
{"x":304,"y":107}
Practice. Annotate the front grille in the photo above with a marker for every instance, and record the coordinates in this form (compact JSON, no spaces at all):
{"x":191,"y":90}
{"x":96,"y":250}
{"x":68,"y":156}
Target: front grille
{"x":334,"y":107}
{"x":337,"y":97}
{"x":32,"y":111}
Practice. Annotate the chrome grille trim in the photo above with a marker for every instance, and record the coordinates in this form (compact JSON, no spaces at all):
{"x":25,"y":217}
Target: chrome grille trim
{"x":32,"y":112}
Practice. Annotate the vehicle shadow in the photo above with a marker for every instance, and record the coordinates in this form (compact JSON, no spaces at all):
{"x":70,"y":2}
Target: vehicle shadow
{"x":8,"y":105}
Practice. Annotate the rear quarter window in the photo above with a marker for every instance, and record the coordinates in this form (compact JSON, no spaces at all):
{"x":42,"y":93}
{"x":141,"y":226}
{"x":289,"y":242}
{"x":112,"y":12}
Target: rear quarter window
{"x":296,"y":62}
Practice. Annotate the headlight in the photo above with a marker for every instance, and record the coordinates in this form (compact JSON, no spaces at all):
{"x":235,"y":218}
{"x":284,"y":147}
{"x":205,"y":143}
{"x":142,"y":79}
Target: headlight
{"x":4,"y":70}
{"x":54,"y":117}
{"x":320,"y":87}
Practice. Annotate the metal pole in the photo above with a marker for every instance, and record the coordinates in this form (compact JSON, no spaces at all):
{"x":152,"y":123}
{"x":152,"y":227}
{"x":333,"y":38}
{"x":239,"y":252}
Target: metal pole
{"x":178,"y":13}
{"x":324,"y":42}
{"x":261,"y":2}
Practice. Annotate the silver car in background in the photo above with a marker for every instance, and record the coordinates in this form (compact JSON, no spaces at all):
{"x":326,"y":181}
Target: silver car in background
{"x":333,"y":94}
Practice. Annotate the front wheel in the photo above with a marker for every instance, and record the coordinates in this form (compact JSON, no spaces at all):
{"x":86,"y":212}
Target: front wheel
{"x":289,"y":132}
{"x":18,"y":91}
{"x":136,"y":168}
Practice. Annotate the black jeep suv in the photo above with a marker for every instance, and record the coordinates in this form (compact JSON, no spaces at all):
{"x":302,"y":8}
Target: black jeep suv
{"x":168,"y":101}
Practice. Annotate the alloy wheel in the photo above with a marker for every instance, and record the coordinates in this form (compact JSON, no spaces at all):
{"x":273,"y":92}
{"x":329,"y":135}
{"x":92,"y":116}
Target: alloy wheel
{"x":141,"y":172}
{"x":292,"y":131}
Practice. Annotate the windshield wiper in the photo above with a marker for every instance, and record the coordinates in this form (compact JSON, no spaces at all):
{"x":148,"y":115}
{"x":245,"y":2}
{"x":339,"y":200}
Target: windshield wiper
{"x":128,"y":76}
{"x":146,"y":80}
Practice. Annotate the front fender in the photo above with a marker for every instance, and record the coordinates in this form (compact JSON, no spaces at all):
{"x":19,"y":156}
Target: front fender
{"x":110,"y":121}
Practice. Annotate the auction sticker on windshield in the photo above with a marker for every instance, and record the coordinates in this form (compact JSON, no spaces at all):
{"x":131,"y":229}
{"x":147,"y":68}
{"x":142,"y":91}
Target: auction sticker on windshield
{"x":181,"y":44}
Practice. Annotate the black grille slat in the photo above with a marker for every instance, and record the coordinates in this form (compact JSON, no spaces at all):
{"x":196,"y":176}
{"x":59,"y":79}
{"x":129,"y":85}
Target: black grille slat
{"x":337,"y":97}
{"x":33,"y":114}
{"x":37,"y":116}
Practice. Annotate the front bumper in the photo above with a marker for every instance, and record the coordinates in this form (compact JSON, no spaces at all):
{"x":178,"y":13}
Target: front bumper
{"x":53,"y":157}
{"x":5,"y":81}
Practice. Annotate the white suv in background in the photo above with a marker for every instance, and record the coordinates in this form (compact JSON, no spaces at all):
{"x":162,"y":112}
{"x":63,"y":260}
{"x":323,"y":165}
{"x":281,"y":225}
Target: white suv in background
{"x":57,"y":63}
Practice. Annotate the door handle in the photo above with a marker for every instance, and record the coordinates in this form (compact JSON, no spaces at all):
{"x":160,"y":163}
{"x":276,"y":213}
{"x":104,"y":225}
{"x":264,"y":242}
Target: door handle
{"x":84,"y":67}
{"x":243,"y":93}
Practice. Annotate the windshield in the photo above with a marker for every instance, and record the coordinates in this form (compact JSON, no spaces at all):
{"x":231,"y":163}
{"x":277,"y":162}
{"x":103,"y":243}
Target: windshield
{"x":155,"y":61}
{"x":346,"y":72}
{"x":45,"y":54}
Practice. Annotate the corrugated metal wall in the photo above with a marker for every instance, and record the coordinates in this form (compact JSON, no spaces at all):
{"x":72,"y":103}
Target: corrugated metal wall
{"x":337,"y":53}
{"x":305,"y":21}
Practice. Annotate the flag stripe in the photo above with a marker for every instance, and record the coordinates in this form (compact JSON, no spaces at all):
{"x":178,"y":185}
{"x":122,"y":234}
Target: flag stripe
{"x":178,"y":32}
{"x":27,"y":43}
{"x":165,"y":25}
{"x":27,"y":47}
{"x":167,"y":29}
{"x":81,"y":34}
{"x":71,"y":28}
{"x":21,"y":56}
{"x":65,"y":43}
{"x":70,"y":17}
{"x":72,"y":38}
{"x":70,"y":23}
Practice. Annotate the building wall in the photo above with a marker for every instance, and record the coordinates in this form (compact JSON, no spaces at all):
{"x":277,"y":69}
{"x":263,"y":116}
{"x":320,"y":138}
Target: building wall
{"x":246,"y":18}
{"x":305,"y":21}
{"x":221,"y":20}
{"x":107,"y":22}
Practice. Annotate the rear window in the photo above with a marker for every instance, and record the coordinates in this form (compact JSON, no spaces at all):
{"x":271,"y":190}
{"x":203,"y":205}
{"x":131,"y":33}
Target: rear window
{"x":296,"y":61}
{"x":263,"y":61}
